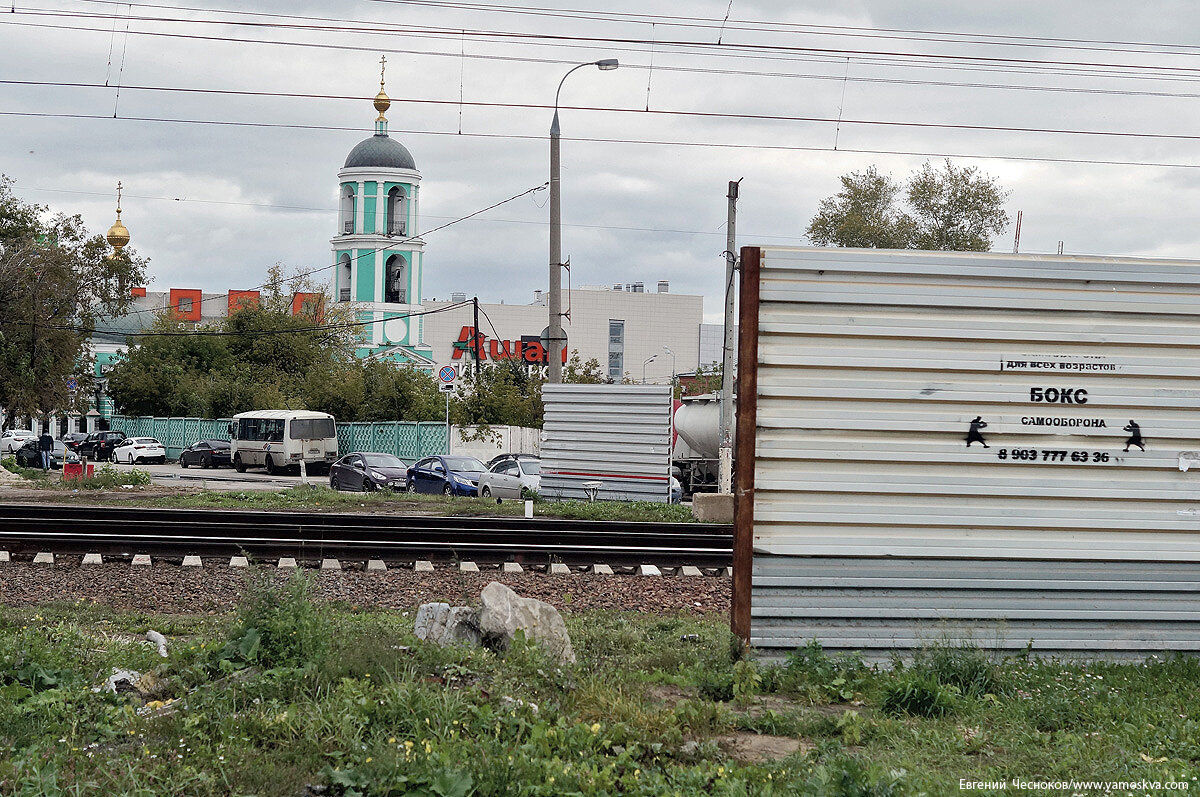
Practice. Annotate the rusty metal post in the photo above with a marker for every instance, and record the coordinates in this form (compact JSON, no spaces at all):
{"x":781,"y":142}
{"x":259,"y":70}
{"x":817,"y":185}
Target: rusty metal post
{"x":747,"y":422}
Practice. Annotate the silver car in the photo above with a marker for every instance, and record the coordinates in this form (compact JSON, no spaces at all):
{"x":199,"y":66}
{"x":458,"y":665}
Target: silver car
{"x":515,"y":476}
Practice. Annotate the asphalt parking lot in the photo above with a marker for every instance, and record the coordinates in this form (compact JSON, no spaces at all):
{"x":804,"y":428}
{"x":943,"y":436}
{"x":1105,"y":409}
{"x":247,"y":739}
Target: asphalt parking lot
{"x":219,"y":478}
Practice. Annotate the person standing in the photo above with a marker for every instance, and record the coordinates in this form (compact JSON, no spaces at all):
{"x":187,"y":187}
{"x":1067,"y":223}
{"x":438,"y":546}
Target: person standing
{"x":973,"y":433}
{"x":1135,"y":436}
{"x":45,"y":448}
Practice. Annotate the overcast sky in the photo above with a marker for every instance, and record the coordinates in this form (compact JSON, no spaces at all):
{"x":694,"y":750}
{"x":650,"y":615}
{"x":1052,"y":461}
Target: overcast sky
{"x":643,"y":193}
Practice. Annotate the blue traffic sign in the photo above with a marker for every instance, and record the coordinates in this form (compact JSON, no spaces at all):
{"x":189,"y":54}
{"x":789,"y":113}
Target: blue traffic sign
{"x":447,"y":374}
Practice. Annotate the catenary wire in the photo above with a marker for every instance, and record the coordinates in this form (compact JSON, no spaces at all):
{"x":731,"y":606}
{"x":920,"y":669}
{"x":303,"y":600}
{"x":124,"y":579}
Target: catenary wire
{"x":592,"y":139}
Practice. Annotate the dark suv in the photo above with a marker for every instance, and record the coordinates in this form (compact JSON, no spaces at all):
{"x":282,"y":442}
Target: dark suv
{"x":99,"y":445}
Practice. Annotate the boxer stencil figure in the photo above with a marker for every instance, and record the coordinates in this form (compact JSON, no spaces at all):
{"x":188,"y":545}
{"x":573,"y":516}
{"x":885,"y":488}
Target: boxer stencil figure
{"x":1135,"y":437}
{"x":973,"y":435}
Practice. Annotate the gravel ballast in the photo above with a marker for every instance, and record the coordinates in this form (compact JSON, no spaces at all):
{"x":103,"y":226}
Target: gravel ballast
{"x":168,"y":588}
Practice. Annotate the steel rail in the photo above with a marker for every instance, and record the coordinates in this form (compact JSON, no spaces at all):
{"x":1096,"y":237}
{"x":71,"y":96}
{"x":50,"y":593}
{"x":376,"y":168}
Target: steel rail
{"x":29,"y":528}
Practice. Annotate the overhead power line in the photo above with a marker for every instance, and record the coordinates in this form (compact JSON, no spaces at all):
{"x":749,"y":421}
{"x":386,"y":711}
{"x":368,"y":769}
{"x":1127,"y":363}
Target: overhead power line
{"x":653,"y":142}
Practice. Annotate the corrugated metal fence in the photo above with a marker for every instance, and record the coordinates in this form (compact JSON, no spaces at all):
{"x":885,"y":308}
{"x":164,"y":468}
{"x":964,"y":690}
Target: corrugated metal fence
{"x":408,"y":440}
{"x":970,"y":446}
{"x":616,"y":435}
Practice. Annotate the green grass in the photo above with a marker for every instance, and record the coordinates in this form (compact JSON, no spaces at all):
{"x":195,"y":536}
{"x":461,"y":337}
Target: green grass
{"x":288,"y":693}
{"x":320,"y":498}
{"x":104,"y":477}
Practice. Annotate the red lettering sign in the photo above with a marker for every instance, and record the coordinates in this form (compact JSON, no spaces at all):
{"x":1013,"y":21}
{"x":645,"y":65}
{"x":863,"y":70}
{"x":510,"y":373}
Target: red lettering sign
{"x":528,"y":349}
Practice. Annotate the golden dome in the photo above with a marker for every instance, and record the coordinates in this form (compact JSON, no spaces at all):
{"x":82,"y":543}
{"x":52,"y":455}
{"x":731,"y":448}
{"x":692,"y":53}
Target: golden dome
{"x":382,"y":102}
{"x":118,"y":234}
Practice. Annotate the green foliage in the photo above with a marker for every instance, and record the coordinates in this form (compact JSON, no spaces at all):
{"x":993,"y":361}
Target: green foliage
{"x":948,"y":209}
{"x":279,"y":625}
{"x":966,"y":668}
{"x":849,"y":777}
{"x":33,"y":474}
{"x":812,"y":670}
{"x":918,"y":695}
{"x":56,"y":283}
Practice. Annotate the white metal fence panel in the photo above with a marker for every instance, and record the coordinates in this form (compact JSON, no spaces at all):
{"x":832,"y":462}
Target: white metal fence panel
{"x":946,"y":416}
{"x":616,"y":435}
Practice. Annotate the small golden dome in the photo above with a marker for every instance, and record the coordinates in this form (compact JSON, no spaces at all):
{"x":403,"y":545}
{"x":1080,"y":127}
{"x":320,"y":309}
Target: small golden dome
{"x":382,"y":102}
{"x":118,"y":234}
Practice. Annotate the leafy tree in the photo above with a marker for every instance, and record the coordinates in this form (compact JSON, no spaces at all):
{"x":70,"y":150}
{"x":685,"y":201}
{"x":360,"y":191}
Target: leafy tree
{"x":56,"y":281}
{"x":583,"y":373}
{"x":863,"y":214}
{"x":951,"y":208}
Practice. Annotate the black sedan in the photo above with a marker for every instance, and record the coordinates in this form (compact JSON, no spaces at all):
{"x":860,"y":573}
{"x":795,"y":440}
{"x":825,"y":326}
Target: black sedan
{"x":72,"y":439}
{"x":365,"y":471}
{"x":99,"y":445}
{"x":28,"y":455}
{"x":206,"y":454}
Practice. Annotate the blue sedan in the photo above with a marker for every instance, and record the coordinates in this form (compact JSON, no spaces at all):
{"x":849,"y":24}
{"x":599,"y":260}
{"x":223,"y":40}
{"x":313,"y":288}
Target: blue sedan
{"x":445,"y":475}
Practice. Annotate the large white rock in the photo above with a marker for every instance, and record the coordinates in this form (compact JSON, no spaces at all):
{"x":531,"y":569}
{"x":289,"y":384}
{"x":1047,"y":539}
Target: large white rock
{"x":442,"y":625}
{"x":505,"y":612}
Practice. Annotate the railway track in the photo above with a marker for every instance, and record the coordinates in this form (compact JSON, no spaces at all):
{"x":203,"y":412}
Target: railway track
{"x":26,"y":529}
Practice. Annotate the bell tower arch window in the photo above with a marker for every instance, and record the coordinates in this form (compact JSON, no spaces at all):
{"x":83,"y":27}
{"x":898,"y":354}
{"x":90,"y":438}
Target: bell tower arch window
{"x":395,"y":286}
{"x":343,"y":281}
{"x":348,"y":210}
{"x":397,"y":212}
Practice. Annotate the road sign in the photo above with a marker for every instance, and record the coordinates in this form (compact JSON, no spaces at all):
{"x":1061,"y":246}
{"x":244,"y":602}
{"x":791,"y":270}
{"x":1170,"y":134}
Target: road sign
{"x":446,"y":387}
{"x":72,"y":384}
{"x":447,"y":376}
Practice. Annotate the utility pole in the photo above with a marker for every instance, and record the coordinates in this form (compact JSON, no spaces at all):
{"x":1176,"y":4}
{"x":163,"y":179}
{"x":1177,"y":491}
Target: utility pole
{"x":725,"y":464}
{"x":477,"y":345}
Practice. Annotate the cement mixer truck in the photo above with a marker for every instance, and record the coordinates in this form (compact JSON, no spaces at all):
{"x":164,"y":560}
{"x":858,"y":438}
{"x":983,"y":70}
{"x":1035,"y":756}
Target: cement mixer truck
{"x":697,"y":442}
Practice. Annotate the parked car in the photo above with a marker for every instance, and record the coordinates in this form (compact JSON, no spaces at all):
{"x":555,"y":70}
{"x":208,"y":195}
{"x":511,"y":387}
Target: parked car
{"x":511,"y":476}
{"x":367,"y":471}
{"x":72,"y":439}
{"x":28,"y":455}
{"x":13,"y":439}
{"x":206,"y":454}
{"x":139,"y":449}
{"x":446,"y":475}
{"x":676,"y":491}
{"x":99,"y":445}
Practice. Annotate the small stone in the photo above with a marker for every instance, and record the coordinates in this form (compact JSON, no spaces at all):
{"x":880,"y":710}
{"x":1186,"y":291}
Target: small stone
{"x":375,"y":565}
{"x":648,"y":570}
{"x":602,"y":570}
{"x":559,"y":569}
{"x":513,"y":567}
{"x":727,"y":572}
{"x":238,"y":561}
{"x":331,"y":564}
{"x":4,"y":557}
{"x":468,"y":567}
{"x":192,"y":561}
{"x":92,"y":559}
{"x":690,"y":570}
{"x":287,"y":561}
{"x":158,"y":640}
{"x":689,"y":749}
{"x":43,"y":558}
{"x":141,"y":560}
{"x":423,"y":566}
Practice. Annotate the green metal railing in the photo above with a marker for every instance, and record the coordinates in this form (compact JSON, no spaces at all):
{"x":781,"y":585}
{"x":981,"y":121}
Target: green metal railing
{"x":409,"y":440}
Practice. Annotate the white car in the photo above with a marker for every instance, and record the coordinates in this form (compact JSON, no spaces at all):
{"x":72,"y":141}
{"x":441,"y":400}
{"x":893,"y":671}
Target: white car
{"x":139,"y":449}
{"x":13,"y":439}
{"x":513,"y":476}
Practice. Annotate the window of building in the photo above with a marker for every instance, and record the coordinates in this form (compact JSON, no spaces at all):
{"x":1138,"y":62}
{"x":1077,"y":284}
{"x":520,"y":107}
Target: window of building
{"x":185,"y":305}
{"x":344,"y":273}
{"x":395,"y":286}
{"x":397,"y":212}
{"x":616,"y":349}
{"x":348,"y":210}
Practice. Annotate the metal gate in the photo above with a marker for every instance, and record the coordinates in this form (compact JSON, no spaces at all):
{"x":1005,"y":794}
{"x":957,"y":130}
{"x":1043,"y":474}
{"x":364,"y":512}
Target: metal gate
{"x":614,"y":439}
{"x":950,"y":446}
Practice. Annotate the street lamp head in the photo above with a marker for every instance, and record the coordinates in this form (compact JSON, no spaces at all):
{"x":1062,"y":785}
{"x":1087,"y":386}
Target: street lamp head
{"x":607,"y":64}
{"x":667,"y":349}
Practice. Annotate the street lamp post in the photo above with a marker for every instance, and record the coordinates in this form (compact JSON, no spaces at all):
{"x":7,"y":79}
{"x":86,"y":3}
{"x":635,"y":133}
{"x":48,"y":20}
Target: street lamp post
{"x":646,"y":362}
{"x":554,"y":300}
{"x":667,"y":349}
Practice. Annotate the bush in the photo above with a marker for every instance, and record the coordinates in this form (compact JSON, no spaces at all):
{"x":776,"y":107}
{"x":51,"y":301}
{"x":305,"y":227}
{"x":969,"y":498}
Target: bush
{"x":918,"y":695}
{"x":968,"y":669}
{"x":846,"y":777}
{"x":279,"y":625}
{"x":108,"y":476}
{"x":834,"y":677}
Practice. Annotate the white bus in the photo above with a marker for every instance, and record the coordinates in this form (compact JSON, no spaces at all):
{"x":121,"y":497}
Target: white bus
{"x":282,"y":439}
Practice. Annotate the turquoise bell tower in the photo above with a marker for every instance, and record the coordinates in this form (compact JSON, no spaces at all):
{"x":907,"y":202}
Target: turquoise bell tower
{"x":377,"y":246}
